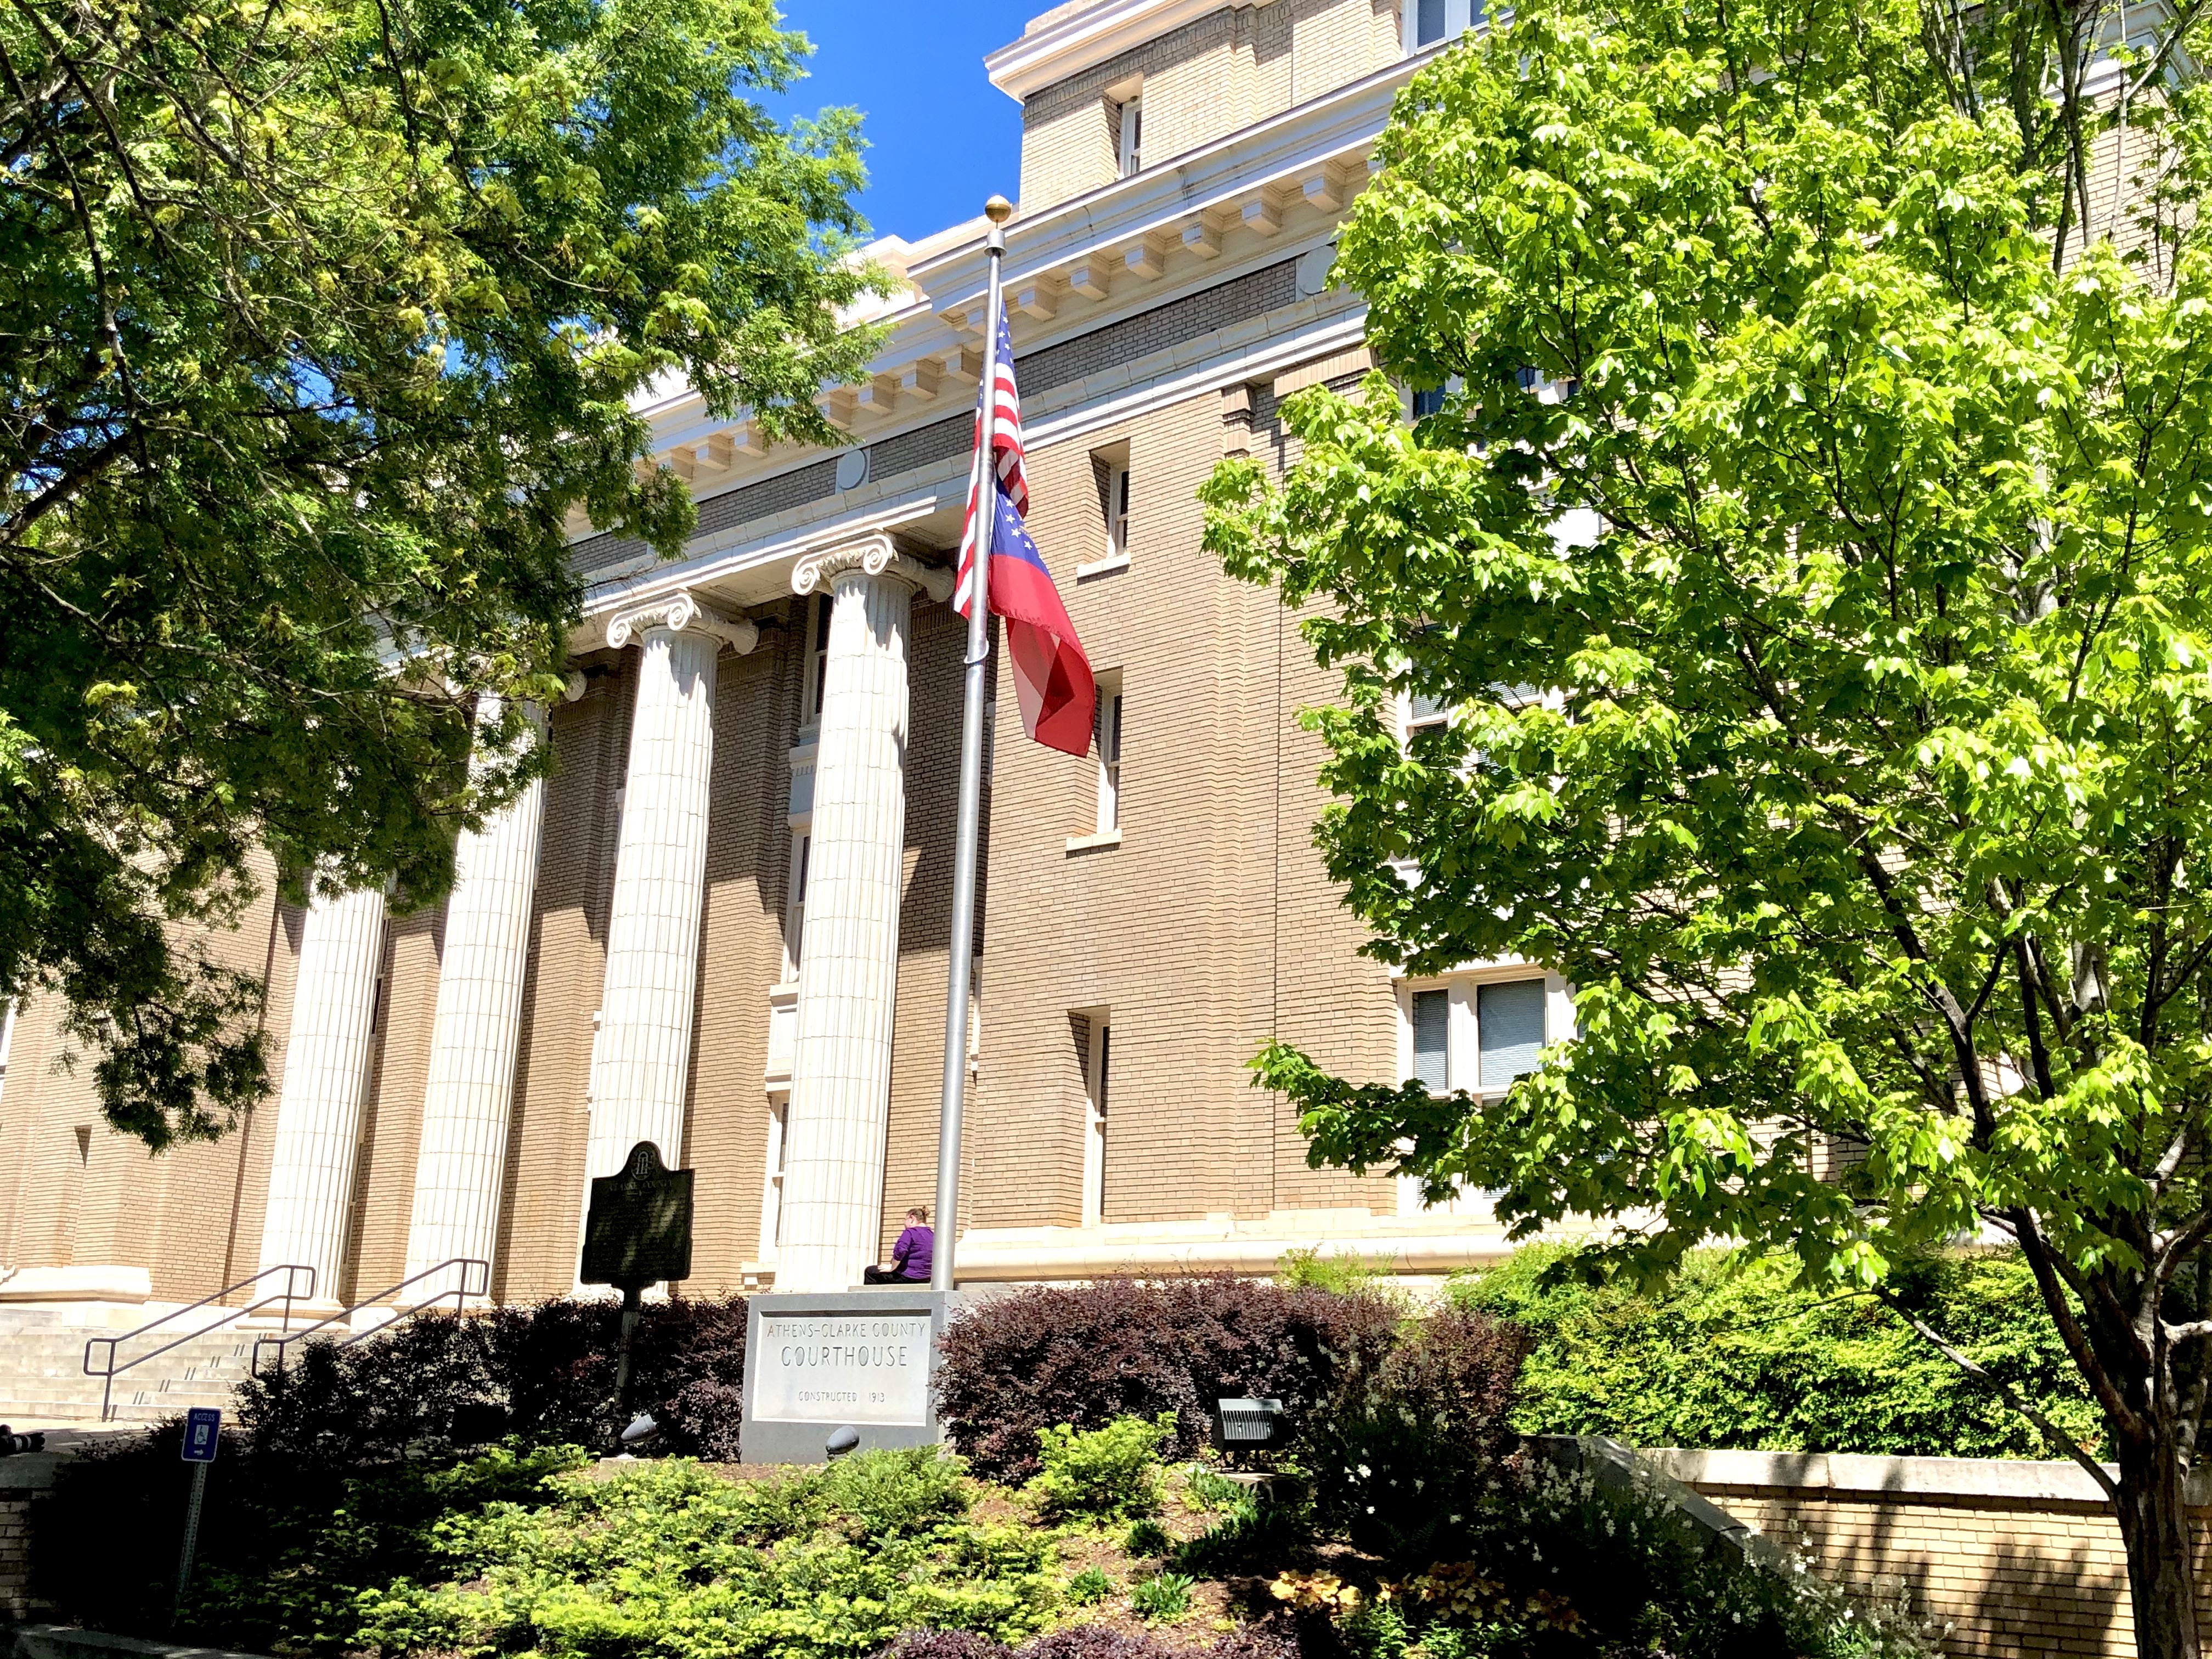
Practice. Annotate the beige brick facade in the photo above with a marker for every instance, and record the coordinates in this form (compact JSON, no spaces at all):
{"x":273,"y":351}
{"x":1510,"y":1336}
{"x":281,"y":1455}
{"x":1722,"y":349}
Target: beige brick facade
{"x":1208,"y":926}
{"x":1199,"y":82}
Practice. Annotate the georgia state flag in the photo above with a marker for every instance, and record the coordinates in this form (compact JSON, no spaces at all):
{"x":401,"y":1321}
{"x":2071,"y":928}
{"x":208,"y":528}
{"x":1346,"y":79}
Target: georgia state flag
{"x":1053,"y":681}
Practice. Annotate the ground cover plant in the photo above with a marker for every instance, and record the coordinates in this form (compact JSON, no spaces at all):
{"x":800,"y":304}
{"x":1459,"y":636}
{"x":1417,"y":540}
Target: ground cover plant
{"x":1734,"y":1352}
{"x":1400,"y":1521}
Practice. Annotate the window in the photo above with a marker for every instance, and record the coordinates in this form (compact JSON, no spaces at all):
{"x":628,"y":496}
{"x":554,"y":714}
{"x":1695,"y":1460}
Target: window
{"x":1433,"y":1041}
{"x":1110,"y":474}
{"x":1097,"y":1032}
{"x":817,"y":657}
{"x":794,"y":921}
{"x":1509,"y":1031}
{"x":1117,"y":513}
{"x":1431,"y":22}
{"x":1129,"y":137}
{"x":1108,"y":736}
{"x":771,"y":1230}
{"x":1477,"y":1034}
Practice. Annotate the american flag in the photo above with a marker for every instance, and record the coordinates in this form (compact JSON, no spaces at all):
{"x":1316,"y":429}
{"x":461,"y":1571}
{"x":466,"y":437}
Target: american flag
{"x":1006,"y":450}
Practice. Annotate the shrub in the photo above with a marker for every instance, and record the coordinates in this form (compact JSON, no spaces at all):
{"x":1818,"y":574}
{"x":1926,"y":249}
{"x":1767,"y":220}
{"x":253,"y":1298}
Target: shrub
{"x":666,"y":1557}
{"x":1147,"y":1537}
{"x":1253,"y":1534}
{"x":1089,"y":1587}
{"x":551,"y":1368}
{"x":1402,"y":1461}
{"x":283,"y":1551}
{"x":1162,"y":1599}
{"x":1086,"y":1355}
{"x":944,"y":1644}
{"x":1622,"y":1571}
{"x":1110,"y":1471}
{"x":1342,"y":1271}
{"x":895,"y":1492}
{"x":1202,"y":1489}
{"x":1733,"y":1354}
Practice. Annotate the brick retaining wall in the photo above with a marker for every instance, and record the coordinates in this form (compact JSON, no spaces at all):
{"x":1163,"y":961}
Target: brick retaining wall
{"x":2023,"y":1561}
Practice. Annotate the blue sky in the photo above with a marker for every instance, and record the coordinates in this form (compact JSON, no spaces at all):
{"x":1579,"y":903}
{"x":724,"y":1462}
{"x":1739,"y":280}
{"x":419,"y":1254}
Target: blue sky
{"x":941,"y":137}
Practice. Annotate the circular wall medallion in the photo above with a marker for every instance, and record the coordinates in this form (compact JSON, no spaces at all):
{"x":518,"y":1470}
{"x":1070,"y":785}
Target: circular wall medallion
{"x":1313,"y":269}
{"x":851,"y":469}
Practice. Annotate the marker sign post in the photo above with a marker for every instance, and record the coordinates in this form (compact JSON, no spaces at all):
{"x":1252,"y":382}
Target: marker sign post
{"x":638,"y":1232}
{"x":203,"y":1434}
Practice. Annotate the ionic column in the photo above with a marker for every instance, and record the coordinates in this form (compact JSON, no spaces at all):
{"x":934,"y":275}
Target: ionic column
{"x":848,"y":968}
{"x":641,"y":1059}
{"x":326,"y":1078}
{"x":466,"y":1103}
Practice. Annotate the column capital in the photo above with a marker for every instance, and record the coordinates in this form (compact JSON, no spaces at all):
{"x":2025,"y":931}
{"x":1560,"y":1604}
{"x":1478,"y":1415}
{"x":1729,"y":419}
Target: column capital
{"x":875,"y":556}
{"x":677,"y":612}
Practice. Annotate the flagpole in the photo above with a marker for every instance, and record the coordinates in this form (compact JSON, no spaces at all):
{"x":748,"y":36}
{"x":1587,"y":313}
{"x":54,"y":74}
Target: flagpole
{"x":962,"y":951}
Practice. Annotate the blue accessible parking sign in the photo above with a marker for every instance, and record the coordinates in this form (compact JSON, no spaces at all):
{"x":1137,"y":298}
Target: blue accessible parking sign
{"x":203,"y":1430}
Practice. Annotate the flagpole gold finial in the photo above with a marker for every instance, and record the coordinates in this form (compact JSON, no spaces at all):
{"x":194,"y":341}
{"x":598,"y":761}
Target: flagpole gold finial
{"x":998,"y":210}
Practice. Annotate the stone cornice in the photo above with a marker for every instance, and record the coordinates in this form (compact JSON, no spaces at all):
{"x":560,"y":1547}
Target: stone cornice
{"x":1329,"y":135}
{"x":677,"y":612}
{"x":875,"y":556}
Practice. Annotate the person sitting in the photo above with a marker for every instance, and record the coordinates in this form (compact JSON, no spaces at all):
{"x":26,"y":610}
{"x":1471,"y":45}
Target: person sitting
{"x":911,"y":1256}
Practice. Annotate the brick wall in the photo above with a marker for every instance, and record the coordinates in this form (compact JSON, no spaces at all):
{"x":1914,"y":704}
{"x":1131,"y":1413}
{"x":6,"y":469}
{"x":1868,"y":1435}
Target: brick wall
{"x":74,"y":1192}
{"x":1217,"y":74}
{"x":1210,"y":926}
{"x":2023,"y":1560}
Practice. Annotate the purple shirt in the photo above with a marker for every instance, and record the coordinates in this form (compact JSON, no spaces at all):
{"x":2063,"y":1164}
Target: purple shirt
{"x":912,"y":1255}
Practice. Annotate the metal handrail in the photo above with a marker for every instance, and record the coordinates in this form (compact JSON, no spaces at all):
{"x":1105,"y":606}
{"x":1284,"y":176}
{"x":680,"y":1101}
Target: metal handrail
{"x":291,"y":1290}
{"x":460,"y":1295}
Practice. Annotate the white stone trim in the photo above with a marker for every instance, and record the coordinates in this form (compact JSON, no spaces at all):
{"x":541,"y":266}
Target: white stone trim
{"x":679,"y":611}
{"x":1863,"y":1477}
{"x":841,"y":1066}
{"x":749,"y":550}
{"x":460,"y":1170}
{"x":319,"y":1104}
{"x":1220,"y":1244}
{"x":875,"y":554}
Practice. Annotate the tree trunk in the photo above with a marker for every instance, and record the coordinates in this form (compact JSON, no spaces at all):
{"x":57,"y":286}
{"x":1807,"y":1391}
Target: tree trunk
{"x":2162,"y":1560}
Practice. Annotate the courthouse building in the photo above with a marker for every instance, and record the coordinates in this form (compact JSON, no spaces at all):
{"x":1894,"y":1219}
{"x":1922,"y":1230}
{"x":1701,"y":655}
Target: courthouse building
{"x":721,"y":924}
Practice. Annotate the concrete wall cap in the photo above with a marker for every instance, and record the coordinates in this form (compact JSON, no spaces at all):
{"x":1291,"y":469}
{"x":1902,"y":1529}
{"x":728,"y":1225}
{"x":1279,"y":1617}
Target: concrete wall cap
{"x":2018,"y":1479}
{"x":68,"y":1642}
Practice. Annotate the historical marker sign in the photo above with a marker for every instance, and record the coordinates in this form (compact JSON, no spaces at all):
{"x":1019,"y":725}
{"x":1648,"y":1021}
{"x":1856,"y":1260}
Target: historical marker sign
{"x":639,"y":1231}
{"x":841,"y":1367}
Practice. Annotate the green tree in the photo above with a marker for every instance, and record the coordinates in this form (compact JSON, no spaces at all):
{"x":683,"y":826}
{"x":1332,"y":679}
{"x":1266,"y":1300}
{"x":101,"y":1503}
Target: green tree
{"x":319,"y":321}
{"x":1825,"y":627}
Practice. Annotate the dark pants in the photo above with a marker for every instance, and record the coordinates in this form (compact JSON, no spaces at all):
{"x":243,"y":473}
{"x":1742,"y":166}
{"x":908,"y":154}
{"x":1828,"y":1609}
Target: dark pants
{"x":887,"y":1276}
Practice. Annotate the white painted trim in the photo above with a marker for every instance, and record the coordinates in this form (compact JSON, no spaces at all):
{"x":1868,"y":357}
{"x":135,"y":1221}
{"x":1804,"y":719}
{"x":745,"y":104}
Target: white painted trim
{"x":1105,"y":567}
{"x":1086,"y":844}
{"x":735,"y":553}
{"x":1878,"y":1478}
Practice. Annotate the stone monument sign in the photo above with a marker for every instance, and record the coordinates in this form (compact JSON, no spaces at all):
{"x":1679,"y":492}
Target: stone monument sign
{"x":857,"y":1360}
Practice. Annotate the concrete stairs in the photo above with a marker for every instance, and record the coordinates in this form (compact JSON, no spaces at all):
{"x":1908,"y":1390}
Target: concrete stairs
{"x":42,"y":1376}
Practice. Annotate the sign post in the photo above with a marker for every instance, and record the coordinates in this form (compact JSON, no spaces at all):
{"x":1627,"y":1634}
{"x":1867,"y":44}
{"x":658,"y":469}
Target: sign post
{"x":203,"y":1434}
{"x":638,"y":1233}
